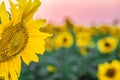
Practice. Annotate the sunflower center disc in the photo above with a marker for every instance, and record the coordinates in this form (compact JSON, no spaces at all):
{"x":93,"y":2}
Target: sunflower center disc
{"x":64,"y":40}
{"x":13,"y":41}
{"x":110,"y":73}
{"x":107,"y":44}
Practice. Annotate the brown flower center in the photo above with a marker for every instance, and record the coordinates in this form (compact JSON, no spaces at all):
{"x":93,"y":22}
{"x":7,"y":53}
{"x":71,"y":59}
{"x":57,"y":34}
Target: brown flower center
{"x":110,"y":73}
{"x":64,"y":40}
{"x":13,"y":41}
{"x":107,"y":44}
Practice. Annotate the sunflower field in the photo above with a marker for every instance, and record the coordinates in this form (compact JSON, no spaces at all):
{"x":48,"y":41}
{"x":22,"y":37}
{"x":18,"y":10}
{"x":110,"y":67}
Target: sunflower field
{"x":66,"y":52}
{"x":76,"y":52}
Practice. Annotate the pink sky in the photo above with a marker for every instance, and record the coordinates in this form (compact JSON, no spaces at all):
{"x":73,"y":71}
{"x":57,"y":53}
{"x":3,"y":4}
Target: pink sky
{"x":80,"y":11}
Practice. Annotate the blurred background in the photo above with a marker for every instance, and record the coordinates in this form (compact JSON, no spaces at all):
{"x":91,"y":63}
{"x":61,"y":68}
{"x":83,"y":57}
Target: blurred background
{"x":86,"y":34}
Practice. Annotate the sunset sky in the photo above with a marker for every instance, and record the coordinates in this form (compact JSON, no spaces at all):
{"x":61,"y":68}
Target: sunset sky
{"x":80,"y":11}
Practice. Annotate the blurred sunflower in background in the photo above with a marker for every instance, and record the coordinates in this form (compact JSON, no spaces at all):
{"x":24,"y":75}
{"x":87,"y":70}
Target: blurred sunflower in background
{"x":114,"y":31}
{"x":109,"y":71}
{"x":59,"y":29}
{"x":83,"y":39}
{"x":79,"y":28}
{"x":104,"y":29}
{"x":48,"y":28}
{"x":81,"y":49}
{"x":107,"y":44}
{"x":51,"y":68}
{"x":19,"y":37}
{"x":64,"y":39}
{"x":49,"y":44}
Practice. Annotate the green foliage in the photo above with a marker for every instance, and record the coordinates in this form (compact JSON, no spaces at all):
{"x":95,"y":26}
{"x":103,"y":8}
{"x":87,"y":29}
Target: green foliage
{"x":70,"y":65}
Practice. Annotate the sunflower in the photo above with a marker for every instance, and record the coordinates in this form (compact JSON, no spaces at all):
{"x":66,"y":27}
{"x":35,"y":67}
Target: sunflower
{"x":59,"y":29}
{"x":83,"y":39}
{"x":51,"y":68}
{"x":78,"y":29}
{"x":48,"y":28}
{"x":109,"y":71}
{"x":93,"y":30}
{"x":104,"y":29}
{"x":49,"y":45}
{"x":19,"y":37}
{"x":114,"y":31}
{"x":64,"y":39}
{"x":107,"y":44}
{"x":83,"y":51}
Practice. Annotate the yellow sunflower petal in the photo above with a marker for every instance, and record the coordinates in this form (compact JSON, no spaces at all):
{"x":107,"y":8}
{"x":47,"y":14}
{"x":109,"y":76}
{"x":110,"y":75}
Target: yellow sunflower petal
{"x":38,"y":34}
{"x":2,"y":67}
{"x":16,"y":13}
{"x":32,"y":7}
{"x":25,"y":58}
{"x":28,"y":56}
{"x":1,"y":30}
{"x":22,"y":3}
{"x":4,"y":70}
{"x":37,"y":44}
{"x":4,"y":15}
{"x":29,"y":7}
{"x":12,"y":72}
{"x":35,"y":24}
{"x":17,"y":65}
{"x":3,"y":76}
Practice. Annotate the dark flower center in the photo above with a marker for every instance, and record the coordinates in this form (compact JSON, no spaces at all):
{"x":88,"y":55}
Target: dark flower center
{"x":107,"y":44}
{"x":64,"y":40}
{"x":13,"y":41}
{"x":110,"y":73}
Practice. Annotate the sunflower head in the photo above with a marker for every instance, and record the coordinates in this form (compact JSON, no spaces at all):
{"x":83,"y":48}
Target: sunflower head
{"x":48,"y":28}
{"x":109,"y":71}
{"x":51,"y":68}
{"x":83,"y":39}
{"x":63,"y":39}
{"x":59,"y":29}
{"x":20,"y":36}
{"x":114,"y":31}
{"x":83,"y":51}
{"x":104,"y":29}
{"x":78,"y":29}
{"x":49,"y":45}
{"x":107,"y":45}
{"x":93,"y":29}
